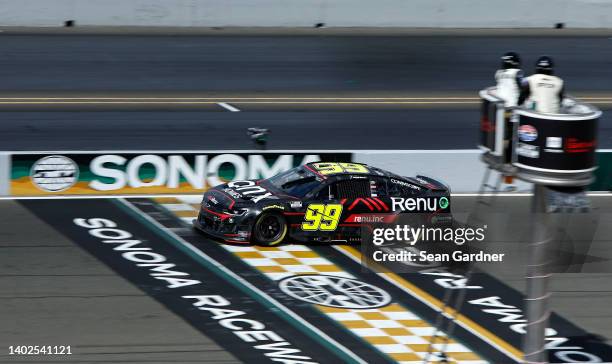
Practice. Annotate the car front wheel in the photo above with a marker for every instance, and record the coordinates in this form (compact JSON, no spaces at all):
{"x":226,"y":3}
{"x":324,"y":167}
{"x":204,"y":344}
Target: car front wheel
{"x":270,"y":229}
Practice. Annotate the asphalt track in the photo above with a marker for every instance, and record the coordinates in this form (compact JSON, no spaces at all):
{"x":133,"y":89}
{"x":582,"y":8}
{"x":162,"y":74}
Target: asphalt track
{"x":92,"y":63}
{"x":444,"y":129}
{"x":60,"y":279}
{"x":196,"y":130}
{"x":54,"y":293}
{"x":431,"y":69}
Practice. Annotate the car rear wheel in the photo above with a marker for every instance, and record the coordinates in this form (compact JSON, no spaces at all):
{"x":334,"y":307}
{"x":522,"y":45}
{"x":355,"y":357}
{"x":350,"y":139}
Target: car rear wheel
{"x":270,"y":229}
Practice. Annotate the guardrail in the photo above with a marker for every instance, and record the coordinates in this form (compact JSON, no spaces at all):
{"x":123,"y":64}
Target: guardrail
{"x":181,"y":172}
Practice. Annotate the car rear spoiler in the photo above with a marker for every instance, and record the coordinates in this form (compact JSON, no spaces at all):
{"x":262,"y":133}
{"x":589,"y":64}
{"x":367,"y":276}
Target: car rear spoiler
{"x":431,"y":183}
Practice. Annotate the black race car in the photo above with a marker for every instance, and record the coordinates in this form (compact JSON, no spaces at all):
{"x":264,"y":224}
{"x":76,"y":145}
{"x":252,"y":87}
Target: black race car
{"x":322,"y":202}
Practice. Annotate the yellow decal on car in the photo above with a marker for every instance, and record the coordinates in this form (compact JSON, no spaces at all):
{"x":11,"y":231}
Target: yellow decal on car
{"x":335,"y":168}
{"x":322,"y":217}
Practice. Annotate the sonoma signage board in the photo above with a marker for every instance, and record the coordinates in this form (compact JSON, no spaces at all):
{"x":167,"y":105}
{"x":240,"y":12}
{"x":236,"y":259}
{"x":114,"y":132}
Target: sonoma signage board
{"x":147,"y":173}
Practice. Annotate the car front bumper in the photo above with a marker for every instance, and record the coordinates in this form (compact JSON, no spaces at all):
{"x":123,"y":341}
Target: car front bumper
{"x":225,"y":229}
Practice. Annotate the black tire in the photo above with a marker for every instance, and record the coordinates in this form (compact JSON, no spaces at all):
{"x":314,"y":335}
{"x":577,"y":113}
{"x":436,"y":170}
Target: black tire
{"x":270,"y":229}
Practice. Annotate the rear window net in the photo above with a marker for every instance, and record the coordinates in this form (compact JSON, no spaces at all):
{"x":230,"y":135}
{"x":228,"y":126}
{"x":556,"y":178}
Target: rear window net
{"x":352,"y":189}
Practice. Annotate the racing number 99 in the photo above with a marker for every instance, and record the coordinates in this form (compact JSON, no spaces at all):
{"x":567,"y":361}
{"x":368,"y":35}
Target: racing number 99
{"x":322,"y":217}
{"x":333,"y":168}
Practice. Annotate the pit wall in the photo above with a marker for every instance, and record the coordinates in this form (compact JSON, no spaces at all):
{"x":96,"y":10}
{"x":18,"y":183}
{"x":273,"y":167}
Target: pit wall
{"x":51,"y":173}
{"x":307,"y":13}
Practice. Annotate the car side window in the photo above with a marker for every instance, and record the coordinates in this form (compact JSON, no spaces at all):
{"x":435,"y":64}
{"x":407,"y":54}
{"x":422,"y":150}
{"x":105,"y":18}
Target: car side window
{"x":328,"y":192}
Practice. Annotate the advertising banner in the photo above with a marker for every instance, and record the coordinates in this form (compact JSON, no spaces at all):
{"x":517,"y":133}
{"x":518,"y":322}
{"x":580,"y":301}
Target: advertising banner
{"x":556,"y":145}
{"x":143,"y":173}
{"x":118,"y":173}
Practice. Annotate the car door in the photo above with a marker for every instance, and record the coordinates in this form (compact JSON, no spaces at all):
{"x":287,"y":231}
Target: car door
{"x":358,"y":194}
{"x":323,"y":213}
{"x":354,"y":194}
{"x":334,"y":211}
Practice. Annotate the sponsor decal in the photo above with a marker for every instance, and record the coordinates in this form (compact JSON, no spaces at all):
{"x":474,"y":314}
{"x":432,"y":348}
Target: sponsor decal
{"x":334,"y":291}
{"x":443,"y":202}
{"x":322,"y":217}
{"x":529,"y":151}
{"x":328,"y":168}
{"x":419,"y":204}
{"x":373,"y":189}
{"x":279,"y":207}
{"x":407,"y":184}
{"x":372,"y":204}
{"x":571,"y":146}
{"x":527,"y":133}
{"x":251,"y":190}
{"x":295,"y":204}
{"x":371,"y":218}
{"x":554,"y":145}
{"x":575,"y":145}
{"x":213,"y":200}
{"x":232,"y":193}
{"x":126,"y":173}
{"x":55,"y":173}
{"x":367,"y":219}
{"x":554,"y":142}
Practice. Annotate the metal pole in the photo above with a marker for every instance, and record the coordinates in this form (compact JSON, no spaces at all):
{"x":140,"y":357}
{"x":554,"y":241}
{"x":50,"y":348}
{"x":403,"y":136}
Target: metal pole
{"x":538,"y":275}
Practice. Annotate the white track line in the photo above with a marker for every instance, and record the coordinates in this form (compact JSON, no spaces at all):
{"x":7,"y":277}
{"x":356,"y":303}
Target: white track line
{"x":227,"y":106}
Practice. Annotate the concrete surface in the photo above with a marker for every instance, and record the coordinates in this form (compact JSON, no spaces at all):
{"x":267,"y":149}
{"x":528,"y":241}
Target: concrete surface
{"x":415,"y":13}
{"x":80,"y":29}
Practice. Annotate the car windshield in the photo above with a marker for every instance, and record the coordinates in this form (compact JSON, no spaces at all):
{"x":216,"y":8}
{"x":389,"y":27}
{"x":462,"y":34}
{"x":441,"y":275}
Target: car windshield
{"x":295,"y":182}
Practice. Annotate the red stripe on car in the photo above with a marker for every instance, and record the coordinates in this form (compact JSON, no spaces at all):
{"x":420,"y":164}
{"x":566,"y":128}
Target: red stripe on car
{"x":221,"y":215}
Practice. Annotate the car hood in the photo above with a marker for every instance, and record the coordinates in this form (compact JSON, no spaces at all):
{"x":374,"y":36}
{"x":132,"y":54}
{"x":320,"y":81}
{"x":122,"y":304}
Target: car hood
{"x":241,"y":193}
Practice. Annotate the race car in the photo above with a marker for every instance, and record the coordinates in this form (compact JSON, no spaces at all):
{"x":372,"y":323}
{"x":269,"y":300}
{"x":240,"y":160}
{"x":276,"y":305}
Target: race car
{"x":318,"y":202}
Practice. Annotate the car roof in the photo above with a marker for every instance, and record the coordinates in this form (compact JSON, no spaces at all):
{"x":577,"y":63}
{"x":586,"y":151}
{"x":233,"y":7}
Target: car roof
{"x":372,"y":171}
